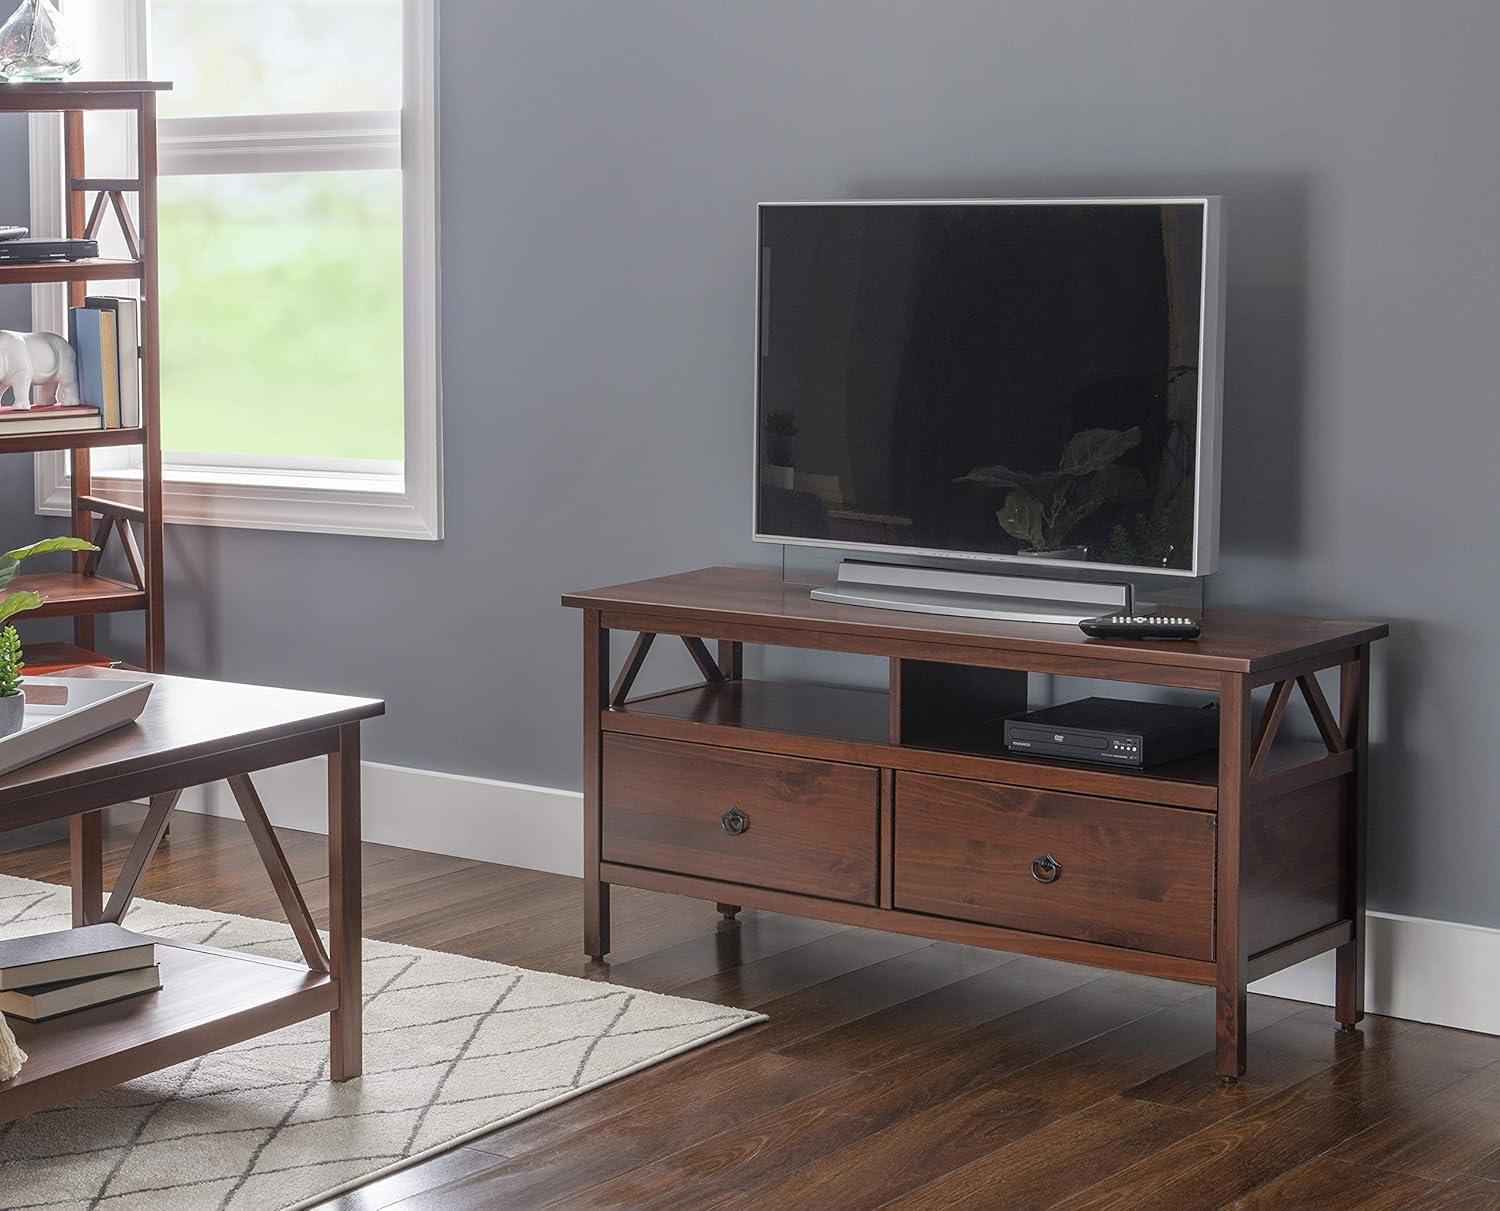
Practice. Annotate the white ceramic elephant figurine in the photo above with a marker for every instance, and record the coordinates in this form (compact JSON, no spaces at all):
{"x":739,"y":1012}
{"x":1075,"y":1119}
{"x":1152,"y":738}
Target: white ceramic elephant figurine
{"x":40,"y":359}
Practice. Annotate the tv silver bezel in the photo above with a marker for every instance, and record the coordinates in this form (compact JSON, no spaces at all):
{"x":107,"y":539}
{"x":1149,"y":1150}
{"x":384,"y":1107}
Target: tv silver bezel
{"x":1206,"y":472}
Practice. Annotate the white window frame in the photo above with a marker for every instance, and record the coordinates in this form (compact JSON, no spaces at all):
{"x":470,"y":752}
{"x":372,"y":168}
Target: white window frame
{"x":312,"y":495}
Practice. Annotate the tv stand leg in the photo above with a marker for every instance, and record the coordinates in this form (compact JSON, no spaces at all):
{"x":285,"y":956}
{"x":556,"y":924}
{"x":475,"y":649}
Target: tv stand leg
{"x":1229,"y":1033}
{"x":1348,"y":981}
{"x":595,"y":918}
{"x":729,"y":911}
{"x":595,"y":702}
{"x":1234,"y":775}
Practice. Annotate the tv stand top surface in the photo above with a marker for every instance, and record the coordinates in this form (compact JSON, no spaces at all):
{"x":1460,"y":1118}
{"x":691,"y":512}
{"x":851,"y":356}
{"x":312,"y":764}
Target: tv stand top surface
{"x":1240,"y":641}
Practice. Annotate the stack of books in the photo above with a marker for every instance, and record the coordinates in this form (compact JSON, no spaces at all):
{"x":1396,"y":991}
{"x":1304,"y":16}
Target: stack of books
{"x":106,"y":337}
{"x":49,"y":974}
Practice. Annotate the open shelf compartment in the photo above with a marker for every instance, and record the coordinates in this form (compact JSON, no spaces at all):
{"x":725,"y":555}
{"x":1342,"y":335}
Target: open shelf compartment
{"x":844,"y":724}
{"x":208,"y":999}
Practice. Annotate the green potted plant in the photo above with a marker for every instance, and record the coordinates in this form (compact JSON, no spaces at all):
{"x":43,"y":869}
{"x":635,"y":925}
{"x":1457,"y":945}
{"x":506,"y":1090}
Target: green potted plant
{"x":12,"y":698}
{"x":12,"y":659}
{"x":1042,"y":508}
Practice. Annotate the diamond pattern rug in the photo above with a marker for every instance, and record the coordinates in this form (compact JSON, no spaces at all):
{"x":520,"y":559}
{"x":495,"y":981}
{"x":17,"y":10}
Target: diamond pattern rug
{"x":454,"y":1047}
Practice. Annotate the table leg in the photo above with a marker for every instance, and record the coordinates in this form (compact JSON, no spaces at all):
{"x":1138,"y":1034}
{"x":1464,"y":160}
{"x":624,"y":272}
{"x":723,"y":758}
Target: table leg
{"x":86,"y":846}
{"x":344,"y":890}
{"x":1349,"y":965}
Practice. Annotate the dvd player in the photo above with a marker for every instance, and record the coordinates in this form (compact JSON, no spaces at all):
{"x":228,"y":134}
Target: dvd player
{"x":38,"y":250}
{"x":1114,"y":731}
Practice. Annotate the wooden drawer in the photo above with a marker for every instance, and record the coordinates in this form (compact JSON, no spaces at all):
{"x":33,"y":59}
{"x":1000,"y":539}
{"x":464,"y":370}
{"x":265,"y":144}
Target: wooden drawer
{"x":810,"y":826}
{"x":1129,"y":874}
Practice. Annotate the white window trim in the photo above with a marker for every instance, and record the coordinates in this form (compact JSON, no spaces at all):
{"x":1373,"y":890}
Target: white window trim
{"x":289,"y":494}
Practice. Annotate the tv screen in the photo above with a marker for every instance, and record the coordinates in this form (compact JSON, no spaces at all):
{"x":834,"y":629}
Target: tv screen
{"x":1027,"y":381}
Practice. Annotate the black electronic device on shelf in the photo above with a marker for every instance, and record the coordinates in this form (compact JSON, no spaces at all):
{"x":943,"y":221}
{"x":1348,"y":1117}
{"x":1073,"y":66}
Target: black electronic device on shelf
{"x":37,"y":250}
{"x":1114,"y":731}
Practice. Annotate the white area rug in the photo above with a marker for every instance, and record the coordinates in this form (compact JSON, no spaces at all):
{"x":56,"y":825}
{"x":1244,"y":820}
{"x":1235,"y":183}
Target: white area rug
{"x":454,"y":1047}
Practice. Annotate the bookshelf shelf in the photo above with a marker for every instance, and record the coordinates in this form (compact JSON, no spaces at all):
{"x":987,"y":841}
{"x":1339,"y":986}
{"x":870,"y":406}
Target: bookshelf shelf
{"x":79,"y":595}
{"x":82,"y":593}
{"x":42,"y":96}
{"x":89,"y":269}
{"x":44,"y":658}
{"x":88,"y":439}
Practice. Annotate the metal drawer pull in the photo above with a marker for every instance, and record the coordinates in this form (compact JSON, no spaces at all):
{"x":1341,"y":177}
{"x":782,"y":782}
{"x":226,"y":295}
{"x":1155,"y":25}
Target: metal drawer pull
{"x":1045,"y":869}
{"x":734,"y":821}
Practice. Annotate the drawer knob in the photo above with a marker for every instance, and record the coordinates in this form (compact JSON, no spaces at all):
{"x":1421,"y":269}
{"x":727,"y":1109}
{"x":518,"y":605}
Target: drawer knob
{"x":1045,"y":869}
{"x":734,"y":821}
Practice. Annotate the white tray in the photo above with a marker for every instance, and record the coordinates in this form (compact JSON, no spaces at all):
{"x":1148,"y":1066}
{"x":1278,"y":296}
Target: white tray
{"x":93,"y":708}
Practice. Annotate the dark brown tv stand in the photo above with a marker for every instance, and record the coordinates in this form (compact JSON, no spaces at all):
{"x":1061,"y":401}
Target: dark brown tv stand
{"x":902,"y":811}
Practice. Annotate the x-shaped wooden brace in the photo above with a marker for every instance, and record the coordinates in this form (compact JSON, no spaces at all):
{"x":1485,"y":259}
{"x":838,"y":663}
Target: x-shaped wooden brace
{"x":697,"y":649}
{"x":271,"y":855}
{"x":1337,"y":737}
{"x":113,"y":517}
{"x":112,"y":193}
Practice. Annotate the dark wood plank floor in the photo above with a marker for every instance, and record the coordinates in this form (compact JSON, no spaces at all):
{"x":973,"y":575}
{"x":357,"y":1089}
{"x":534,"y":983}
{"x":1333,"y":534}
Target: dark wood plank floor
{"x":893,"y":1071}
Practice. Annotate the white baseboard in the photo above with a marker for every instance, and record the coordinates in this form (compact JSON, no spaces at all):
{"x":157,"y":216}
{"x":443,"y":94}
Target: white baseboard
{"x":481,"y":818}
{"x":1428,"y":971}
{"x":1415,"y":968}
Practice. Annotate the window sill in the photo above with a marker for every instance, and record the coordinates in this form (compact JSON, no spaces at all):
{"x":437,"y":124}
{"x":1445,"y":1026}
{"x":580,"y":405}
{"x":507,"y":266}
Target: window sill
{"x":312,"y":502}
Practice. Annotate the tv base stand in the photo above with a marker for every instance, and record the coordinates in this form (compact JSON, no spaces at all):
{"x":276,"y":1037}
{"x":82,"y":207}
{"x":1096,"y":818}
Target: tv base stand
{"x":901,"y":810}
{"x":993,"y":595}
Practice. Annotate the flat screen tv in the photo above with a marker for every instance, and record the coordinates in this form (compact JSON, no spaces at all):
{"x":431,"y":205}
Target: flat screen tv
{"x":1031,"y":382}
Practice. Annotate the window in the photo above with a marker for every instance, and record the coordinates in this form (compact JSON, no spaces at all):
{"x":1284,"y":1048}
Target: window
{"x":298,"y":257}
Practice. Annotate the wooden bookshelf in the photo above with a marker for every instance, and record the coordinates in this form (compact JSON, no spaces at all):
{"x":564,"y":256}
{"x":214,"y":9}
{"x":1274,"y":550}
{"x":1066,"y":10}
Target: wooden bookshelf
{"x":91,"y":203}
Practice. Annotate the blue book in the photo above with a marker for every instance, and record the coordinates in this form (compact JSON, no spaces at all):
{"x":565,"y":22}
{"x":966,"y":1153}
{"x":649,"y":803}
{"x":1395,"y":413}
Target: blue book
{"x":86,"y":333}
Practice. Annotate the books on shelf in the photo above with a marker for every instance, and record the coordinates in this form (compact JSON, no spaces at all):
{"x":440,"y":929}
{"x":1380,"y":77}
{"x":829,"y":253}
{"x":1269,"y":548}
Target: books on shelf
{"x":106,"y":335}
{"x":127,"y":357}
{"x":71,"y":954}
{"x":86,"y":334}
{"x":49,"y":1000}
{"x":48,"y":974}
{"x":49,"y":418}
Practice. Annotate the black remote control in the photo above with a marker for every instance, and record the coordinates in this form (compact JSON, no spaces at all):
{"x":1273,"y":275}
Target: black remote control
{"x":1142,"y":626}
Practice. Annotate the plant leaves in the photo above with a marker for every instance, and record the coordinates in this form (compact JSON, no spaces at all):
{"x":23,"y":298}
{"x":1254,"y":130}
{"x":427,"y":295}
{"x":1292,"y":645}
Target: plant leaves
{"x":1119,"y":483}
{"x":8,"y":569}
{"x":1094,"y":449}
{"x":1022,"y":518}
{"x":47,"y":546}
{"x":1106,"y":486}
{"x":17,"y":602}
{"x":997,"y":476}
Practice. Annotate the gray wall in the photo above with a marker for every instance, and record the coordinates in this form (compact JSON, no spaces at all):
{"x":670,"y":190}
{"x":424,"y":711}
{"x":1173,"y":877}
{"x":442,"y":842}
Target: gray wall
{"x":601,"y":163}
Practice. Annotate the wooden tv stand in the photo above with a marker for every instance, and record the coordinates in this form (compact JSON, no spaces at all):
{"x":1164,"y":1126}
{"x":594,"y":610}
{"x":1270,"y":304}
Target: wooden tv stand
{"x":902,"y":811}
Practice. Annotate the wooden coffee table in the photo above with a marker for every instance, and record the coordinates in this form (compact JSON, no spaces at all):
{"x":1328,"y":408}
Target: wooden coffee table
{"x":193,"y":732}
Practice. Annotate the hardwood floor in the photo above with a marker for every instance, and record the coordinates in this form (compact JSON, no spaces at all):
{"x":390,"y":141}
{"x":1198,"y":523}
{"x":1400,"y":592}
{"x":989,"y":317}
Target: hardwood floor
{"x":893,"y":1071}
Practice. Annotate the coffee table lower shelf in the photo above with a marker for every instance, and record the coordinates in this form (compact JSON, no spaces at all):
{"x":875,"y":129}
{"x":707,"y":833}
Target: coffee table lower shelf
{"x":209,"y":999}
